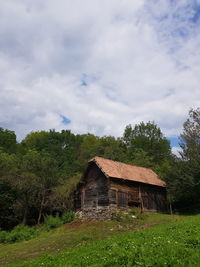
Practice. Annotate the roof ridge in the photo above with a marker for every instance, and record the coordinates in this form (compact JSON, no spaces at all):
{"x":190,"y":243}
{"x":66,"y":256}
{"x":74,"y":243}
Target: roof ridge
{"x":121,"y":163}
{"x":116,"y":169}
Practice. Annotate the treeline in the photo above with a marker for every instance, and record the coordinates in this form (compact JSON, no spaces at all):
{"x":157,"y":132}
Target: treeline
{"x":39,"y":174}
{"x":183,"y":178}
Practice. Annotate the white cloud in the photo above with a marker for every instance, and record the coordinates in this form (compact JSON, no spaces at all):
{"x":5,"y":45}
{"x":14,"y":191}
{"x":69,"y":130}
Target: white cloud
{"x":176,"y":151}
{"x":138,"y":62}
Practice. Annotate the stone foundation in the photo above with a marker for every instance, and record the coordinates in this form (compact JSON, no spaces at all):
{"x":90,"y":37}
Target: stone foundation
{"x":99,"y":213}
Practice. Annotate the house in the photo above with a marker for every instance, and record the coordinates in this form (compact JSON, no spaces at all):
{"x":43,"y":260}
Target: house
{"x":107,"y":185}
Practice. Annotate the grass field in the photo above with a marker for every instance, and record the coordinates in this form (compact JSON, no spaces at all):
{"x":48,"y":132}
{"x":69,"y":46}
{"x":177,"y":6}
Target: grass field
{"x":160,"y":245}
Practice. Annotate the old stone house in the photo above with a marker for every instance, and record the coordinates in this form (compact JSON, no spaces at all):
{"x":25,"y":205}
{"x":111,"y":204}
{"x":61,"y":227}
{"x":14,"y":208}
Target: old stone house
{"x":107,"y":185}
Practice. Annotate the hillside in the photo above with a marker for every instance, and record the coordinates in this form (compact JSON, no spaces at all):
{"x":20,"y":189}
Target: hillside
{"x":78,"y":237}
{"x":169,"y":244}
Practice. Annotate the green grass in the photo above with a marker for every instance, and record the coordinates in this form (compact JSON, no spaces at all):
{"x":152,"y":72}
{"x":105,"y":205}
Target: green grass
{"x":74,"y":236}
{"x":170,"y":244}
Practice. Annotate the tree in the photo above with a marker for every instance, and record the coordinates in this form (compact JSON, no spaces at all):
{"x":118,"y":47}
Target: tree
{"x":8,"y":195}
{"x":45,"y":171}
{"x":88,"y":149}
{"x":64,"y":147}
{"x":8,"y":141}
{"x":112,"y":148}
{"x":190,"y":144}
{"x":24,"y":182}
{"x":184,"y":176}
{"x":61,"y":198}
{"x":190,"y":138}
{"x":147,"y":143}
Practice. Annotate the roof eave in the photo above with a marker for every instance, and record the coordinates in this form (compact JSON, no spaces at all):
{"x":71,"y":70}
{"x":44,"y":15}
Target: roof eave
{"x":124,"y":179}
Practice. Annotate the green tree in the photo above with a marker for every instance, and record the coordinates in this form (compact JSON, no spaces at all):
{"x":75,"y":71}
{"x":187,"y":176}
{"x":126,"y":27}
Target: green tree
{"x":8,"y":141}
{"x":45,"y":171}
{"x":184,"y":176}
{"x":88,"y":149}
{"x":64,"y":147}
{"x":112,"y":148}
{"x":147,"y":147}
{"x":25,"y":185}
{"x":190,"y":138}
{"x":8,"y":195}
{"x":61,"y":198}
{"x":190,"y":154}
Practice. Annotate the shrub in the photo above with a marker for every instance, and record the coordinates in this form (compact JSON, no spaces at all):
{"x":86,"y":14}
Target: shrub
{"x":68,"y":216}
{"x":19,"y":233}
{"x":121,"y":216}
{"x":3,"y":235}
{"x":51,"y":222}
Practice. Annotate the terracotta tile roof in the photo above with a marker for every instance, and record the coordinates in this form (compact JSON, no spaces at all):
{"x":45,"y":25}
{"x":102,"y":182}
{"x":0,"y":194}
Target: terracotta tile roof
{"x":124,"y":171}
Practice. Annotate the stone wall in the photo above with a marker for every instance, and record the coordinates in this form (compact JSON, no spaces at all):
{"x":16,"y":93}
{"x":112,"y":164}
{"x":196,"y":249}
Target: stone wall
{"x":99,"y":213}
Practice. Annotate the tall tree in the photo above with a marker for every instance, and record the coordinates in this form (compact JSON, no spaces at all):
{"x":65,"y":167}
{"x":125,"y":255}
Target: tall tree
{"x":148,"y":138}
{"x":184,"y":177}
{"x":8,"y":195}
{"x":8,"y":141}
{"x":112,"y":148}
{"x":45,"y":170}
{"x":190,"y":144}
{"x":62,"y":146}
{"x":190,"y":138}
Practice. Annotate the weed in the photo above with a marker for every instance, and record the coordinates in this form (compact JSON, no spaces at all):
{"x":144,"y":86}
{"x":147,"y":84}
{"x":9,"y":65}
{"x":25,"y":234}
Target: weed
{"x":68,"y":217}
{"x":3,"y":235}
{"x":51,"y":222}
{"x":19,"y":233}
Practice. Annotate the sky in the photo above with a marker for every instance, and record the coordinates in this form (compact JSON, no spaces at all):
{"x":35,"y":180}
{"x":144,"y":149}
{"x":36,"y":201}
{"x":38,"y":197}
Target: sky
{"x":97,"y":66}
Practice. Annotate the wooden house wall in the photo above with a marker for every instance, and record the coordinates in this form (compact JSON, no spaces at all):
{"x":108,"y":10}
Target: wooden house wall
{"x":128,"y":193}
{"x":94,"y":191}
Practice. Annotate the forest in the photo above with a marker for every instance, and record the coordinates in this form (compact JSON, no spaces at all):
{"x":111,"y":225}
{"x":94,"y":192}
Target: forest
{"x":39,"y":174}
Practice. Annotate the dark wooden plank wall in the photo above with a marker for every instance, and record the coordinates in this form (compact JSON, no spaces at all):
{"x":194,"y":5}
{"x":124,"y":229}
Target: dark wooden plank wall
{"x":94,"y":191}
{"x":128,"y":193}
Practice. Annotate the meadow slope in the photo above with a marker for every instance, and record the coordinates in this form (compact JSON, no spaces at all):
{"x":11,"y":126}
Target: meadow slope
{"x":168,"y":244}
{"x":77,"y":234}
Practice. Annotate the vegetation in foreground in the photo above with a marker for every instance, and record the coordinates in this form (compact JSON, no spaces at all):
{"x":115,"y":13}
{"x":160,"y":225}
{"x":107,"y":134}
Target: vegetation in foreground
{"x":22,"y":232}
{"x":78,"y":234}
{"x":171,"y":244}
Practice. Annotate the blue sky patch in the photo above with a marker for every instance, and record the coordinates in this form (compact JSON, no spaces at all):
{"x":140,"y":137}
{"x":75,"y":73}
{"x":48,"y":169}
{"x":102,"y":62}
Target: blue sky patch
{"x":174,"y":141}
{"x":196,"y":12}
{"x":169,"y":92}
{"x":83,"y":83}
{"x":84,"y":80}
{"x":65,"y":120}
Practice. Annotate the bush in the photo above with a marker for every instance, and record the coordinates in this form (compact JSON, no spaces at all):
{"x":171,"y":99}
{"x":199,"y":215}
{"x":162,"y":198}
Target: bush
{"x":121,"y":216}
{"x":3,"y":235}
{"x":19,"y":233}
{"x":51,"y":222}
{"x":68,"y":216}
